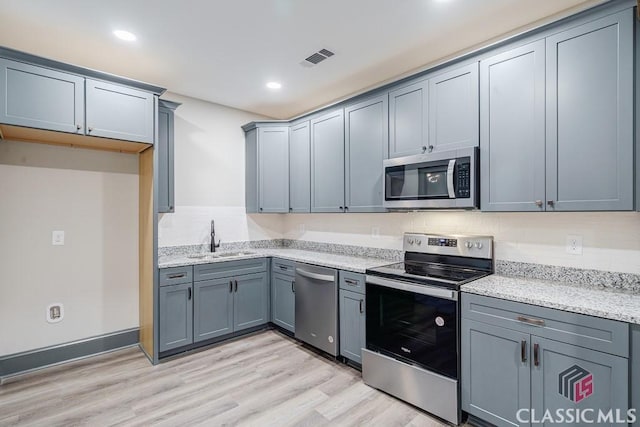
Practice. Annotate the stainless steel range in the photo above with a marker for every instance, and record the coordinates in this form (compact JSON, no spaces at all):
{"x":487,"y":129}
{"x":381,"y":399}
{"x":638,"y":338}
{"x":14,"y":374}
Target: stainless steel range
{"x":413,"y":320}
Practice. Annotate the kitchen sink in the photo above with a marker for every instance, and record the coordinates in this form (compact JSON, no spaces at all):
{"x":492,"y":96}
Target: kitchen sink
{"x":218,"y":255}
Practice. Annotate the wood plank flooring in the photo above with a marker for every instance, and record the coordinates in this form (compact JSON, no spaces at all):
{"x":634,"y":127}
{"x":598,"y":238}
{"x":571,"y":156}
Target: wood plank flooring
{"x":266,"y":379}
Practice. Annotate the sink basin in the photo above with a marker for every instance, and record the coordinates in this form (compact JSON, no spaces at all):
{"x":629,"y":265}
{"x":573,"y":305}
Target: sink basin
{"x":218,"y":255}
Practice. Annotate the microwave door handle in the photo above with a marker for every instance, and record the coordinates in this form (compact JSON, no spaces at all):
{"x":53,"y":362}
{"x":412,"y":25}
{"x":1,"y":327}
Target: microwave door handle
{"x":450,"y":188}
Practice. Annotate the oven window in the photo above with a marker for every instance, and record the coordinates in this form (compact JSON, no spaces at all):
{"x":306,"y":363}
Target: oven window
{"x":419,"y":329}
{"x":417,"y":181}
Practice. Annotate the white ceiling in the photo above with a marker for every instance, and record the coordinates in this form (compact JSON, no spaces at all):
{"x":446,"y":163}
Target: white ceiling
{"x":225,"y":51}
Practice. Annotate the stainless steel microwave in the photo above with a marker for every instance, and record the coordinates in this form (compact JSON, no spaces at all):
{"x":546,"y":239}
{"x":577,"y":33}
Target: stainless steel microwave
{"x":442,"y":180}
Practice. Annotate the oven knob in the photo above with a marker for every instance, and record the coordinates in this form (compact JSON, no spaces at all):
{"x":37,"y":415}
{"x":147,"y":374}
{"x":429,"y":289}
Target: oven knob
{"x":410,"y":241}
{"x":468,"y":245}
{"x":418,"y":242}
{"x":479,"y":245}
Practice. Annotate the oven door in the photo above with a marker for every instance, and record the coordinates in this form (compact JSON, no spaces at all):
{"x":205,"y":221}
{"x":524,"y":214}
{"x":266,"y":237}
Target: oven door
{"x":413,"y":323}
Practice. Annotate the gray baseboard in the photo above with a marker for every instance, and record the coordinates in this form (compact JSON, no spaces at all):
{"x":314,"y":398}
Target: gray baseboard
{"x":19,"y":363}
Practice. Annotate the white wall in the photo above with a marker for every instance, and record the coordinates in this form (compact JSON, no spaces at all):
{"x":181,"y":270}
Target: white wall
{"x":93,"y":197}
{"x":209,"y":178}
{"x":611,"y":240}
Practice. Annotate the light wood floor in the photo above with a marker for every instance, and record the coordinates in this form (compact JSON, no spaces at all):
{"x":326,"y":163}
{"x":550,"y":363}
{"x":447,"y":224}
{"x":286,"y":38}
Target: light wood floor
{"x":263,"y":380}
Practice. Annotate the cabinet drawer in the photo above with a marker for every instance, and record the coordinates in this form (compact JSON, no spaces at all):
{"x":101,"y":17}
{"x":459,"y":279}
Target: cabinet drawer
{"x":599,"y":334}
{"x":283,"y":266}
{"x":218,"y":270}
{"x":353,"y":282}
{"x":176,"y":275}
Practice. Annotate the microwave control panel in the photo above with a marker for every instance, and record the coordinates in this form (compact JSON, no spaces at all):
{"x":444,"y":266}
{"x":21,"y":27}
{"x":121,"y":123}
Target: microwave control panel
{"x":463,"y":179}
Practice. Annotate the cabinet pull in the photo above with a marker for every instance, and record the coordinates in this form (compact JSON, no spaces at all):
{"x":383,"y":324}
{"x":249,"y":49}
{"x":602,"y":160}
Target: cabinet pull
{"x":536,"y":355}
{"x":342,"y":208}
{"x":530,"y":321}
{"x":236,"y":282}
{"x":90,"y":129}
{"x":430,"y":148}
{"x":346,"y":208}
{"x":361,"y":308}
{"x":424,"y":149}
{"x":176,"y":276}
{"x":283,"y":267}
{"x":538,"y":203}
{"x":351,"y":282}
{"x":78,"y":127}
{"x":523,"y":351}
{"x":189,"y":297}
{"x":550,"y":202}
{"x":293,"y":286}
{"x":230,"y":286}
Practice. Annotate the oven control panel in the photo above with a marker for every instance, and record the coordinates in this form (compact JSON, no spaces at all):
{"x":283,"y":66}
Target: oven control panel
{"x":470,"y":246}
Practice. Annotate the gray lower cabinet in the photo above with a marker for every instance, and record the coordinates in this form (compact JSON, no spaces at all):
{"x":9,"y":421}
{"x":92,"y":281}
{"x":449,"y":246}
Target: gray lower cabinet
{"x":213,"y":309}
{"x":590,"y":116}
{"x":273,"y":169}
{"x":327,"y":162}
{"x":409,"y":119}
{"x":250,"y":301}
{"x":352,"y":325}
{"x":300,"y":168}
{"x":520,"y":361}
{"x":453,"y":109}
{"x":41,"y":98}
{"x":176,"y":316}
{"x":635,"y":370}
{"x":512,"y":130}
{"x":119,"y":112}
{"x":366,"y":146}
{"x":283,"y":301}
{"x":165,"y":147}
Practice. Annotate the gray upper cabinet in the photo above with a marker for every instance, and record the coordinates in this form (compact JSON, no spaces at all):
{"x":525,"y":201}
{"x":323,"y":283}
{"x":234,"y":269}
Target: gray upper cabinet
{"x":213,"y":309}
{"x":366,"y":146}
{"x":590,"y":116}
{"x":300,"y":168}
{"x":453,"y":109}
{"x":176,"y":316}
{"x":327,"y":162}
{"x":273,"y":171}
{"x":41,"y":98}
{"x":165,"y":155}
{"x":119,"y":112}
{"x":512,"y":130}
{"x":409,"y":119}
{"x":251,"y":301}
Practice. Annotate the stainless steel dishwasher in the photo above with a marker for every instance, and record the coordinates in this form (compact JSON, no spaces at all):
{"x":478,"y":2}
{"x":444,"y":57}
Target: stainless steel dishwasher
{"x":316,"y":290}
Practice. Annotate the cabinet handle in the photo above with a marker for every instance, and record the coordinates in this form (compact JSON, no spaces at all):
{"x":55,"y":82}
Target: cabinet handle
{"x":538,"y":203}
{"x":530,"y":321}
{"x":342,"y":208}
{"x":290,"y":209}
{"x":90,"y":129}
{"x":189,"y":297}
{"x":351,"y":282}
{"x":536,"y":354}
{"x":78,"y":127}
{"x":283,"y":267}
{"x":430,"y":148}
{"x":176,"y":276}
{"x":523,"y":351}
{"x":236,"y":282}
{"x":260,"y":209}
{"x":424,"y":149}
{"x":230,"y":286}
{"x":346,"y":208}
{"x":361,"y":308}
{"x":550,"y":203}
{"x":293,"y":286}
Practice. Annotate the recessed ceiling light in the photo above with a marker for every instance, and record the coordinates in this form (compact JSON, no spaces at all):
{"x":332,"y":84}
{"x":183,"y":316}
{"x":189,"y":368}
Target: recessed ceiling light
{"x":274,"y":85}
{"x":125,"y":35}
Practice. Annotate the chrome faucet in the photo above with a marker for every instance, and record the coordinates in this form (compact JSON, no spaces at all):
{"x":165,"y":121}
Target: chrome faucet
{"x":214,"y":245}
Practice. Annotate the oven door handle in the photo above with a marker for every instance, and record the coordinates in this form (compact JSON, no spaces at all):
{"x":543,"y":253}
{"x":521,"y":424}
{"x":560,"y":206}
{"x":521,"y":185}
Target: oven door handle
{"x":418,"y":289}
{"x":450,"y":170}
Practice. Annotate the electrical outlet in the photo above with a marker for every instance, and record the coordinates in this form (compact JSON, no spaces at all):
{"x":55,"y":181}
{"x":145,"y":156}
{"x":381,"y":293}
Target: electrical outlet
{"x":574,"y":244}
{"x":57,"y":238}
{"x":301,"y":228}
{"x":55,"y":312}
{"x":375,"y":232}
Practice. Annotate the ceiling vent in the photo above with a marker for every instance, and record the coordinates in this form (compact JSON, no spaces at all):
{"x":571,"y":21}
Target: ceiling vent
{"x":316,"y":58}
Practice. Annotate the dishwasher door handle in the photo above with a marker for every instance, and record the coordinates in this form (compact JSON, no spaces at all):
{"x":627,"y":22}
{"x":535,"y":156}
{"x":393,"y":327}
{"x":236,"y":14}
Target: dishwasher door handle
{"x":315,"y":276}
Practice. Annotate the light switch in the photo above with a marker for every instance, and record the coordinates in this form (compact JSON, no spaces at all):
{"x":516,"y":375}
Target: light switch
{"x":57,"y":238}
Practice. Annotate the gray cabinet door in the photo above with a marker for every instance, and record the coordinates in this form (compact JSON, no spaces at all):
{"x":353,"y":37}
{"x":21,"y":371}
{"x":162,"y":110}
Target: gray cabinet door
{"x":495,"y":376}
{"x":590,"y":116}
{"x":165,"y":160}
{"x":327,"y":162}
{"x":300,"y":168}
{"x":283,"y":301}
{"x":512,"y":130}
{"x":366,"y":146}
{"x":571,"y":377}
{"x":213,"y":309}
{"x":119,"y":112}
{"x":409,"y":120}
{"x":352,"y":325}
{"x":176,"y":316}
{"x":250,"y":301}
{"x":273,"y":169}
{"x":453,"y":109}
{"x":41,"y":98}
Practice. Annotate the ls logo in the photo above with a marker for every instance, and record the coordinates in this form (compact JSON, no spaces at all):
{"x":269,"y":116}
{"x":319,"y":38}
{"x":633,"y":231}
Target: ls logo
{"x":575,"y":383}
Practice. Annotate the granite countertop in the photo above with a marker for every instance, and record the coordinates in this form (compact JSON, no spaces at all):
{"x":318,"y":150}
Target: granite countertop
{"x":324,"y":259}
{"x":615,"y":304}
